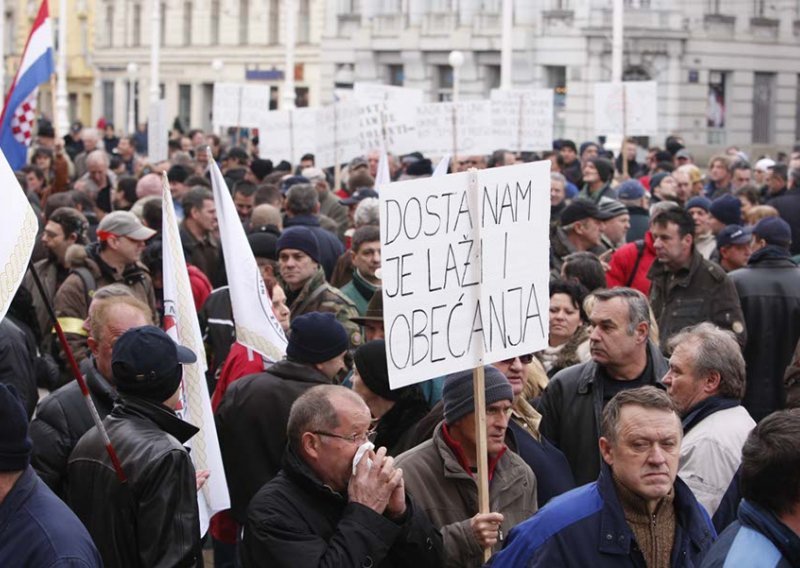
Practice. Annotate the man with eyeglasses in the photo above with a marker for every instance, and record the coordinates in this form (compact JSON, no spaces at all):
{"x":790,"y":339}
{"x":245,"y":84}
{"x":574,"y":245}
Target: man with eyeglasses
{"x":253,"y":414}
{"x":332,"y":505}
{"x":440,"y":473}
{"x":115,"y":258}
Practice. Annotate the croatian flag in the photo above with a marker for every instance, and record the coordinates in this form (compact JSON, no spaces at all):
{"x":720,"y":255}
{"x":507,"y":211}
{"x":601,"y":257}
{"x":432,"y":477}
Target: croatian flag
{"x":19,"y":112}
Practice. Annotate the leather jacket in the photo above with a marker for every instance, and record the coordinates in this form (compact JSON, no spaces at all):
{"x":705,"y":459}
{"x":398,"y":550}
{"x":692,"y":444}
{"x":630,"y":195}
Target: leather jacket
{"x":152,"y":520}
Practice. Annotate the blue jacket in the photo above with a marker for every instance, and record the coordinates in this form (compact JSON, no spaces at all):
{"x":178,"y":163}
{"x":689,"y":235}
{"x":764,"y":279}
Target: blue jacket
{"x":37,"y":529}
{"x":757,"y":540}
{"x":566,"y":531}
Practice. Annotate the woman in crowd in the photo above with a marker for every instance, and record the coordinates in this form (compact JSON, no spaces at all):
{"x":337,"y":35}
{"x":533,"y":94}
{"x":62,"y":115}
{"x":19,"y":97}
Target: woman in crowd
{"x":394,"y":411}
{"x":568,"y":341}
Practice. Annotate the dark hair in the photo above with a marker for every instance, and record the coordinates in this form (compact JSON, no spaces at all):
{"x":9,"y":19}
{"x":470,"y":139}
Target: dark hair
{"x":152,"y":213}
{"x":586,"y":268}
{"x":665,"y":167}
{"x":750,"y":192}
{"x":195,"y":180}
{"x":741,"y":165}
{"x":127,"y":185}
{"x":246,"y":188}
{"x":56,"y":201}
{"x":82,"y":200}
{"x":770,"y":462}
{"x":35,"y":170}
{"x":307,"y":157}
{"x":576,"y":292}
{"x":267,"y":193}
{"x":194,"y":199}
{"x":153,"y":256}
{"x":781,"y":170}
{"x":365,"y":234}
{"x":680,"y":217}
{"x":72,"y":222}
{"x":646,"y":397}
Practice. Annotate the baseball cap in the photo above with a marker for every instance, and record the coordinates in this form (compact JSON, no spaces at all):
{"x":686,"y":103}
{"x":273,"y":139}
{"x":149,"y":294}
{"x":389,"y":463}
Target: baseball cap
{"x":774,"y":230}
{"x":683,"y":153}
{"x":581,"y":209}
{"x":734,"y":235}
{"x":361,"y":194}
{"x":764,"y":164}
{"x":287,"y":184}
{"x":123,"y":224}
{"x":630,"y":189}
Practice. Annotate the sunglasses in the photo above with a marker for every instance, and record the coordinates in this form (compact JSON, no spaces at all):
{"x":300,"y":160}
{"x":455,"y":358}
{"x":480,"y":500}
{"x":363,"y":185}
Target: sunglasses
{"x":526,"y":359}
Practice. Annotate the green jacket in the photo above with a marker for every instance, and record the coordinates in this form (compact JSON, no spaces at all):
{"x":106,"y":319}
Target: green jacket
{"x":359,"y":291}
{"x":319,"y":296}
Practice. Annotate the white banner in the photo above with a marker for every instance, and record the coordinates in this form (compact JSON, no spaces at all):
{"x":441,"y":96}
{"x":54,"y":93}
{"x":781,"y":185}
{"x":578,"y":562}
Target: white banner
{"x":240,"y":104}
{"x":19,"y":229}
{"x":463,"y":128}
{"x":465,"y":269}
{"x":522,"y":120}
{"x":180,"y":322}
{"x":157,"y":132}
{"x":388,"y":117}
{"x":627,"y":109}
{"x":256,"y":326}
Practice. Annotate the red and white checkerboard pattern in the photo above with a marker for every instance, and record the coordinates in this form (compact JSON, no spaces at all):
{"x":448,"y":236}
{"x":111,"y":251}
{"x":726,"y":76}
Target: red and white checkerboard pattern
{"x":23,"y":118}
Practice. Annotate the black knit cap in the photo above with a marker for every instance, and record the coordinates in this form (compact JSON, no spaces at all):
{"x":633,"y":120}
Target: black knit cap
{"x":299,"y":238}
{"x":316,"y":337}
{"x":146,"y":362}
{"x":370,"y":360}
{"x":605,"y":169}
{"x":15,"y":445}
{"x":458,"y":394}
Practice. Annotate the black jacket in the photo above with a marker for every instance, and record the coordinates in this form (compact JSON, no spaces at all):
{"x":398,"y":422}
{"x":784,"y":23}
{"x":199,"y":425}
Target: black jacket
{"x":572,"y":407}
{"x":702,"y":292}
{"x":295,"y":520}
{"x":788,"y":206}
{"x":152,"y":520}
{"x":219,"y":333}
{"x":17,"y":363}
{"x":769,"y":290}
{"x":61,"y":419}
{"x":251,"y":423}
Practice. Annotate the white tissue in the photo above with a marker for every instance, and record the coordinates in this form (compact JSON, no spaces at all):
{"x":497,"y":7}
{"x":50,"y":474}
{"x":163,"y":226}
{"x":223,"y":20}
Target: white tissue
{"x":363,"y":449}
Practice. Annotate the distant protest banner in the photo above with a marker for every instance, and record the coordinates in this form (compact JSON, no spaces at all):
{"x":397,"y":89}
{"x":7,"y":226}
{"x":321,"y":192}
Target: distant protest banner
{"x":388,"y":117}
{"x":465,"y":269}
{"x":629,"y":108}
{"x":157,"y":132}
{"x":240,"y":104}
{"x":522,"y":120}
{"x":337,"y":133}
{"x":464,"y":127}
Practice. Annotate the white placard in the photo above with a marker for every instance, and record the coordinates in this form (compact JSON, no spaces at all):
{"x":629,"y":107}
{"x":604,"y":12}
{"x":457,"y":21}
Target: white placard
{"x":522,"y":119}
{"x":463,"y":128}
{"x":639,"y":99}
{"x":255,"y":105}
{"x":465,"y":269}
{"x":19,"y":235}
{"x":337,"y":134}
{"x":388,"y":117}
{"x":157,"y":132}
{"x":375,"y":93}
{"x":227,"y":104}
{"x":275,"y":136}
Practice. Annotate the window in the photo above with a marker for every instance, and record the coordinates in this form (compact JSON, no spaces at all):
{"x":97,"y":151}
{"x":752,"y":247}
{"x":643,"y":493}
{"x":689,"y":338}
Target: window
{"x":713,"y":6}
{"x":557,"y":80}
{"x":185,"y":106}
{"x":301,"y":97}
{"x":274,"y":22}
{"x":492,"y":77}
{"x":109,"y":24}
{"x":444,"y":83}
{"x":137,"y":25}
{"x":763,"y":108}
{"x":187,"y":23}
{"x":396,"y":75}
{"x":163,"y":23}
{"x":215,"y":16}
{"x":715,"y":111}
{"x":244,"y":21}
{"x":304,"y":22}
{"x":108,"y":100}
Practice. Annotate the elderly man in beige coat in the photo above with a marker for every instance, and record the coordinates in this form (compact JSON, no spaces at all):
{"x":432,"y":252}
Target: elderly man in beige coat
{"x":440,"y":473}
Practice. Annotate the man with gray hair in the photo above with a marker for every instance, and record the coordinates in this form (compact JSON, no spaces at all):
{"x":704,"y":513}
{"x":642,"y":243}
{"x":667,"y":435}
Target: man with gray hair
{"x":706,"y":381}
{"x":328,"y":203}
{"x":99,"y":180}
{"x":637,"y":513}
{"x":332,"y":505}
{"x":623,"y":358}
{"x":302,"y":208}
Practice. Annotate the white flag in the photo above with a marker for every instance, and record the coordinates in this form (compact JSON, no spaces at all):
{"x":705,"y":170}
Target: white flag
{"x":19,"y":229}
{"x":180,"y":322}
{"x":441,"y":167}
{"x":256,"y":326}
{"x":382,"y":176}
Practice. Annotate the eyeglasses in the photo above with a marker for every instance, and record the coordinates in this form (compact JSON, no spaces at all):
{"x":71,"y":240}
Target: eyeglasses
{"x":526,"y":359}
{"x":359,"y":439}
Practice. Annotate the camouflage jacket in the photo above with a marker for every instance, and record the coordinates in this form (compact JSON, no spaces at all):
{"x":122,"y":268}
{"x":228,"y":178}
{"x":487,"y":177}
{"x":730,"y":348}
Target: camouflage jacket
{"x":319,"y":296}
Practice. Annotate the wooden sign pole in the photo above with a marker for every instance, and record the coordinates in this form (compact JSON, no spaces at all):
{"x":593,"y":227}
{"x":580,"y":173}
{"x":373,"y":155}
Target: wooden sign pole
{"x":481,"y":449}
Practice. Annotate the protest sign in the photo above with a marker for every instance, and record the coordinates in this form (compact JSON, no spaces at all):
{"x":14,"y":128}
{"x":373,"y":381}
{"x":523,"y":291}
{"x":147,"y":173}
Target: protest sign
{"x":388,"y":117}
{"x":254,"y":105}
{"x":465,"y":269}
{"x":337,"y":134}
{"x":20,"y":228}
{"x":522,"y":120}
{"x":157,"y":132}
{"x":275,"y":136}
{"x":227,"y":103}
{"x":462,"y":128}
{"x":629,"y":108}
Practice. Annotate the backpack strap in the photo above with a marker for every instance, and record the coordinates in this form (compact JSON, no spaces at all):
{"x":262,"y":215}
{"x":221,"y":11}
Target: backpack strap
{"x":89,"y":282}
{"x":639,"y":255}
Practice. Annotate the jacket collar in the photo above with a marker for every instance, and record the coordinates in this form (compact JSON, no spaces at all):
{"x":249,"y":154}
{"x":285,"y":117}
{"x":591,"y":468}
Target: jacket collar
{"x":306,"y":220}
{"x":706,"y":408}
{"x":162,"y":416}
{"x":16,"y":498}
{"x":296,"y":371}
{"x":656,"y":361}
{"x":317,"y":280}
{"x":297,"y":470}
{"x":364,"y":288}
{"x":98,"y":384}
{"x":615,"y":534}
{"x":683,"y":276}
{"x":771,"y":256}
{"x":766,"y":523}
{"x":461,"y":456}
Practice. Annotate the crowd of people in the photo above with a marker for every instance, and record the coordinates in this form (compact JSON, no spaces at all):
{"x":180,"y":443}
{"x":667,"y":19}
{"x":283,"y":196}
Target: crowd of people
{"x":657,"y":427}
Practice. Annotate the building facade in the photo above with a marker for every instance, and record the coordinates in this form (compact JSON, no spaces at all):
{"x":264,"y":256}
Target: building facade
{"x":728,"y":71}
